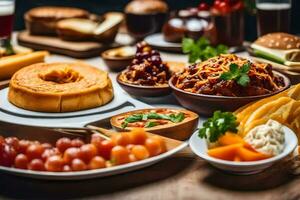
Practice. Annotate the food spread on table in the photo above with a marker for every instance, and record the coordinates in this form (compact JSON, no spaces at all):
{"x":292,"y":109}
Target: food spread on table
{"x":60,"y":87}
{"x":250,"y":115}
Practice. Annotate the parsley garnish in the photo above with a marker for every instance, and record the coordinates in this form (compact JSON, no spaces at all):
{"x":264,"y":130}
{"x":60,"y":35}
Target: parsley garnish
{"x":240,"y":75}
{"x":201,"y":49}
{"x":175,"y":118}
{"x":217,"y":125}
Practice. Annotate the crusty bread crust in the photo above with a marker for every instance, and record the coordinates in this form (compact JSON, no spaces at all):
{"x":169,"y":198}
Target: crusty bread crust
{"x":146,"y":7}
{"x":283,"y":41}
{"x":46,"y":99}
{"x":42,"y":20}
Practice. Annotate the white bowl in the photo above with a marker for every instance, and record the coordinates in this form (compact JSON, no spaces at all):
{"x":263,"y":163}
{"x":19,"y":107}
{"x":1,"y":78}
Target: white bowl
{"x":199,"y":147}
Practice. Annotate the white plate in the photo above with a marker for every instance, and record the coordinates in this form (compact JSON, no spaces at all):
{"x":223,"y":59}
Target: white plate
{"x":6,"y":106}
{"x":121,"y":103}
{"x":158,"y":42}
{"x":93,"y":173}
{"x":199,"y":147}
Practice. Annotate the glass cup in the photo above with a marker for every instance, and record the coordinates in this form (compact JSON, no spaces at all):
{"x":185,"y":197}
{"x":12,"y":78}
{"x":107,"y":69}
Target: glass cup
{"x":7,"y":9}
{"x":273,"y":16}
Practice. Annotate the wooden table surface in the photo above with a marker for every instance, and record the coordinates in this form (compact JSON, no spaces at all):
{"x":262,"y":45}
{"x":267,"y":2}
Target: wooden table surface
{"x":183,"y":176}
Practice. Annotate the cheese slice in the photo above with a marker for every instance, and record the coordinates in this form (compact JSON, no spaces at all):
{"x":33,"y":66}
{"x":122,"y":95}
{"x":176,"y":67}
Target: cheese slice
{"x":286,"y":57}
{"x":10,"y":64}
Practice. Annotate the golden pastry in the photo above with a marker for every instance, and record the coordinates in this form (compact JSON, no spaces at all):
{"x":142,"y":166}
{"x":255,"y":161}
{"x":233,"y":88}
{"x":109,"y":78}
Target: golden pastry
{"x":60,"y":87}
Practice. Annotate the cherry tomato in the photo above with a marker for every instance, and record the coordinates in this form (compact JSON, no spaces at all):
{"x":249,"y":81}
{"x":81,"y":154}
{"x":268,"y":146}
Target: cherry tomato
{"x":63,"y":143}
{"x":129,"y":147}
{"x":21,"y":161}
{"x":2,"y":140}
{"x":120,"y":155}
{"x":54,"y":164}
{"x":140,"y":152}
{"x":23,"y":145}
{"x":46,"y":145}
{"x":153,"y":146}
{"x":138,"y":136}
{"x":13,"y":142}
{"x":238,"y":5}
{"x":87,"y":152}
{"x":97,"y":162}
{"x":7,"y":155}
{"x":132,"y":158}
{"x":77,"y":142}
{"x":36,"y":164}
{"x":49,"y":152}
{"x":70,"y":154}
{"x":105,"y":149}
{"x":96,"y":139}
{"x":34,"y":151}
{"x":78,"y":165}
{"x":122,"y":139}
{"x":67,"y":168}
{"x":203,"y":6}
{"x":224,"y":7}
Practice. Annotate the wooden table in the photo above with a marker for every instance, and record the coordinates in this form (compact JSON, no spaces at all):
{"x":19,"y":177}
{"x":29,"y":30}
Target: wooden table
{"x":183,"y":176}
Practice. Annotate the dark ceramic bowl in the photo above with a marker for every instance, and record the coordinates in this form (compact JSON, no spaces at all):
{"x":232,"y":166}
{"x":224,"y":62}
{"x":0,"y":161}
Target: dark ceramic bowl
{"x":116,"y":63}
{"x":207,"y":104}
{"x":144,"y":91}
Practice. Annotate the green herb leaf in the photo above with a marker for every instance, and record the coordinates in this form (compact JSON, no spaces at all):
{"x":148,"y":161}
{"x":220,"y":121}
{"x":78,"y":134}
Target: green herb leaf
{"x":201,"y":49}
{"x":151,"y":115}
{"x":243,"y":80}
{"x":177,"y":118}
{"x":240,"y":75}
{"x":217,"y":125}
{"x":151,"y":124}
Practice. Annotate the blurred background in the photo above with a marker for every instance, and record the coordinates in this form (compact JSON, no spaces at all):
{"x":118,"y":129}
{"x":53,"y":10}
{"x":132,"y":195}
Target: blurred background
{"x":102,"y":6}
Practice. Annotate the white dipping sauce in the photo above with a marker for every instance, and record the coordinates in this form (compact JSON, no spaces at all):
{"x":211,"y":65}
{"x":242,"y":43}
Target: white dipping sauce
{"x":267,"y":138}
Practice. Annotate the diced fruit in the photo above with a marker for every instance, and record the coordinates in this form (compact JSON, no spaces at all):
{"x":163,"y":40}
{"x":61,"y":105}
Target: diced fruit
{"x":138,"y":136}
{"x":122,"y":139}
{"x":230,"y":138}
{"x":119,"y":155}
{"x":140,"y":152}
{"x":248,"y":155}
{"x":153,"y":145}
{"x":225,"y":152}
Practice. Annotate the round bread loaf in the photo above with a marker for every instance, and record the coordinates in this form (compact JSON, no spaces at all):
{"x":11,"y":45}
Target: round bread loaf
{"x":283,"y":41}
{"x":42,"y":20}
{"x":146,"y":7}
{"x":60,"y":87}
